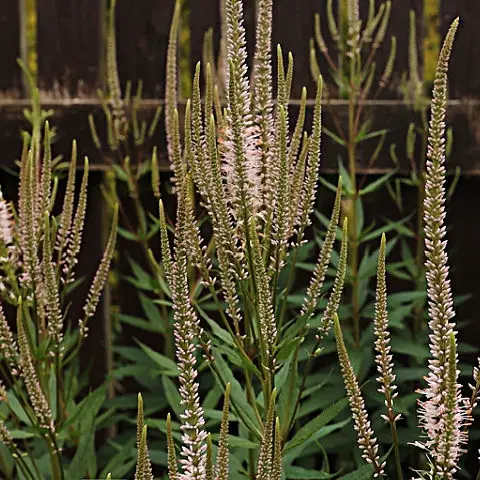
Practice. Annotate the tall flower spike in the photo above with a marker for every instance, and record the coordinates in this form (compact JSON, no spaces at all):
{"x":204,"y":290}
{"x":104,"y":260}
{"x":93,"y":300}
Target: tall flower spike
{"x":265,"y":457}
{"x":336,"y":293}
{"x":144,"y":465}
{"x":172,"y":457}
{"x":35,"y":393}
{"x":221,"y":467}
{"x":266,"y":317}
{"x":241,"y":155}
{"x":318,"y":277}
{"x":46,"y":176}
{"x":65,"y":222}
{"x":435,"y":412}
{"x":277,"y":453}
{"x":311,"y":180}
{"x":6,"y":221}
{"x":383,"y":357}
{"x":366,"y":439}
{"x":171,"y":80}
{"x":76,"y":233}
{"x":262,"y":102}
{"x":8,"y":345}
{"x":209,"y":473}
{"x":186,"y":332}
{"x":53,"y":310}
{"x":100,"y":277}
{"x":165,"y":245}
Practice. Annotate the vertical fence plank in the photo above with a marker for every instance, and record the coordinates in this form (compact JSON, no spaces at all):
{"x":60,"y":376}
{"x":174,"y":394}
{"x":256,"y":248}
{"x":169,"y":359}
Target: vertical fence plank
{"x":292,"y":29}
{"x":142,"y":39}
{"x":10,"y":48}
{"x":70,"y":46}
{"x":464,"y":73}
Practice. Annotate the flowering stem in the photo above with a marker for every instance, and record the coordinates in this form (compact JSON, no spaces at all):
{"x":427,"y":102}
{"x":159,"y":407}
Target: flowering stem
{"x":396,"y":450}
{"x":353,"y":240}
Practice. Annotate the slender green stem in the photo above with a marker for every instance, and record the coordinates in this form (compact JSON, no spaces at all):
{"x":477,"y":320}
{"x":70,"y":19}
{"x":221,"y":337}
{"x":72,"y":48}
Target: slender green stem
{"x":396,"y":449}
{"x":303,"y":381}
{"x":353,"y":221}
{"x":56,"y":463}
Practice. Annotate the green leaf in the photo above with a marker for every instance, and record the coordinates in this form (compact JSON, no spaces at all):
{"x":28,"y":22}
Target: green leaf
{"x":152,"y":312}
{"x":139,"y":323}
{"x":144,"y":280}
{"x":17,"y":408}
{"x":172,"y":395}
{"x":383,"y":229}
{"x":300,"y":473}
{"x":85,"y":459}
{"x":167,"y":366}
{"x":376,"y":184}
{"x":378,"y":133}
{"x":238,"y":397}
{"x":127,"y":234}
{"x":314,"y":425}
{"x":407,"y":347}
{"x":346,"y":180}
{"x":333,"y":136}
{"x":363,"y":473}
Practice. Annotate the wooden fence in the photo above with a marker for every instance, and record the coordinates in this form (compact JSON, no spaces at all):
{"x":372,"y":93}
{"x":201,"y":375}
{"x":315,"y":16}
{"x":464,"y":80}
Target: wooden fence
{"x":70,"y":47}
{"x":71,"y":42}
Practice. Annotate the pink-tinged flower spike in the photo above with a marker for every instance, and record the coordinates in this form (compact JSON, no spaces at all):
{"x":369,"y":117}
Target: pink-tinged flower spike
{"x":241,"y":155}
{"x":475,"y":387}
{"x":53,"y":310}
{"x":5,"y":436}
{"x":383,"y":358}
{"x":186,"y":332}
{"x":262,"y":102}
{"x":6,"y":221}
{"x":8,"y":345}
{"x":36,"y":396}
{"x":435,"y":411}
{"x":366,"y":439}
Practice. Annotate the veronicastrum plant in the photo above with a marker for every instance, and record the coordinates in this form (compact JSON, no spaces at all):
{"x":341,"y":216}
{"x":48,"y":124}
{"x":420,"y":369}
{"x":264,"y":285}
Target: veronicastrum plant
{"x":349,"y":44}
{"x":354,"y":76}
{"x":254,"y":186}
{"x":444,"y":414}
{"x":46,"y":427}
